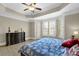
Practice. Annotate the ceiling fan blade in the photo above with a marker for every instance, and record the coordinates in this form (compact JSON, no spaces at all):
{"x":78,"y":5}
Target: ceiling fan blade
{"x":25,"y":4}
{"x":38,"y":8}
{"x":30,"y":4}
{"x":34,"y":3}
{"x":25,"y":9}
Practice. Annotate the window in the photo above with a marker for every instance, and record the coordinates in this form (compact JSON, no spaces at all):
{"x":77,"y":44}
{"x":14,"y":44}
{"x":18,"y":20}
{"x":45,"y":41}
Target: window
{"x":52,"y":28}
{"x":45,"y":28}
{"x":49,"y":28}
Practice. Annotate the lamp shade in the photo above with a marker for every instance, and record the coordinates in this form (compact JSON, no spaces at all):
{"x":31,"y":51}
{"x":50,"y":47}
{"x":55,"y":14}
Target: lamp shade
{"x":75,"y":32}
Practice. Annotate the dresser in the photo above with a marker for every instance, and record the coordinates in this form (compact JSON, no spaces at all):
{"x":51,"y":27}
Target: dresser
{"x":14,"y":38}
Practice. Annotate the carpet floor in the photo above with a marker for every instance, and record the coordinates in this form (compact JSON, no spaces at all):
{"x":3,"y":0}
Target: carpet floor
{"x":12,"y":50}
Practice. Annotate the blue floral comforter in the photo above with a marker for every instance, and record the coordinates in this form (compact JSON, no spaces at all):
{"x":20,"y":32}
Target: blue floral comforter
{"x":44,"y":47}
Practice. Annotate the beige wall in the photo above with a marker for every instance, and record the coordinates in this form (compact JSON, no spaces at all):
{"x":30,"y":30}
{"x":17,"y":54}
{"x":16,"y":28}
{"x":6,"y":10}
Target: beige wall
{"x":14,"y":25}
{"x":71,"y":24}
{"x":31,"y":30}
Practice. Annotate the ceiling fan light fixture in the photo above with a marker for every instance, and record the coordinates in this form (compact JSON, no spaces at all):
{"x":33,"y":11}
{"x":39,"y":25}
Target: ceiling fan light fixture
{"x":31,"y":8}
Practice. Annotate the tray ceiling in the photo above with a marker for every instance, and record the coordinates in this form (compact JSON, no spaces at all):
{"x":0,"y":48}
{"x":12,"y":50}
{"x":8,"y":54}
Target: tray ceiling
{"x":46,"y":8}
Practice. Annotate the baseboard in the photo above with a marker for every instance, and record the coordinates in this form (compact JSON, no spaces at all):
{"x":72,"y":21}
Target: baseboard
{"x":30,"y":38}
{"x":2,"y":43}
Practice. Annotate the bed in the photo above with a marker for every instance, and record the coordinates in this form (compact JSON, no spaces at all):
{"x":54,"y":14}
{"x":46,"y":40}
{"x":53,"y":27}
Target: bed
{"x":46,"y":46}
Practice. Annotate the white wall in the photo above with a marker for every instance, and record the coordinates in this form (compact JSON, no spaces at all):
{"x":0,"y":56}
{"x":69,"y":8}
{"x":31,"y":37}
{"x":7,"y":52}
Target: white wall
{"x":14,"y":25}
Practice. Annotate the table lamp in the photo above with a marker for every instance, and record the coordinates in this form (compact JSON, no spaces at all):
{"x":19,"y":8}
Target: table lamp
{"x":76,"y":34}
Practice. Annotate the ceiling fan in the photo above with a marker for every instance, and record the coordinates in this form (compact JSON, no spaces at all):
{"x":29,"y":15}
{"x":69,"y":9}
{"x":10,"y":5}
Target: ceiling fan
{"x":31,"y":7}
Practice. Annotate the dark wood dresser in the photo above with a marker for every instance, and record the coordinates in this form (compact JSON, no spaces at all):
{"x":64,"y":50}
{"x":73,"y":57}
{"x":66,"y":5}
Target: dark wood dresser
{"x":14,"y":38}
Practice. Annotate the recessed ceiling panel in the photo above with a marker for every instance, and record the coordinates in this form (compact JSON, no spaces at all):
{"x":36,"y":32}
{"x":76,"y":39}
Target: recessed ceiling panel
{"x":18,"y":7}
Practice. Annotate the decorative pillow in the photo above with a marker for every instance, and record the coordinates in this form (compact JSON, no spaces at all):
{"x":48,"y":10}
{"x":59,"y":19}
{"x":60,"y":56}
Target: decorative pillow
{"x":78,"y":42}
{"x":74,"y":50}
{"x":69,"y":43}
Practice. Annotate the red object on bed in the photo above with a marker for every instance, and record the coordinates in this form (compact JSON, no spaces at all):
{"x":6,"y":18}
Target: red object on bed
{"x":70,"y":42}
{"x":78,"y":42}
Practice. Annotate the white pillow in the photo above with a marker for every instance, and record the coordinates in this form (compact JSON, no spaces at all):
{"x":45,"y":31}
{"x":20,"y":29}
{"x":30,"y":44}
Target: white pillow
{"x":74,"y":50}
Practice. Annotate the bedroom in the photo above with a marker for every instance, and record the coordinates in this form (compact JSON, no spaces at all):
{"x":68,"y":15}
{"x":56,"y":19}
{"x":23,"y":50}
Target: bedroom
{"x":60,"y":22}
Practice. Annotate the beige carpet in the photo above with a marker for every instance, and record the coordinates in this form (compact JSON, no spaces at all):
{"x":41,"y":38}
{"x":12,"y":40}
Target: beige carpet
{"x":12,"y":50}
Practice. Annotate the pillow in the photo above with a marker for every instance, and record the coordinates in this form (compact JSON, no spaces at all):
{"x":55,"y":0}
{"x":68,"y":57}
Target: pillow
{"x":69,"y":43}
{"x":74,"y":50}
